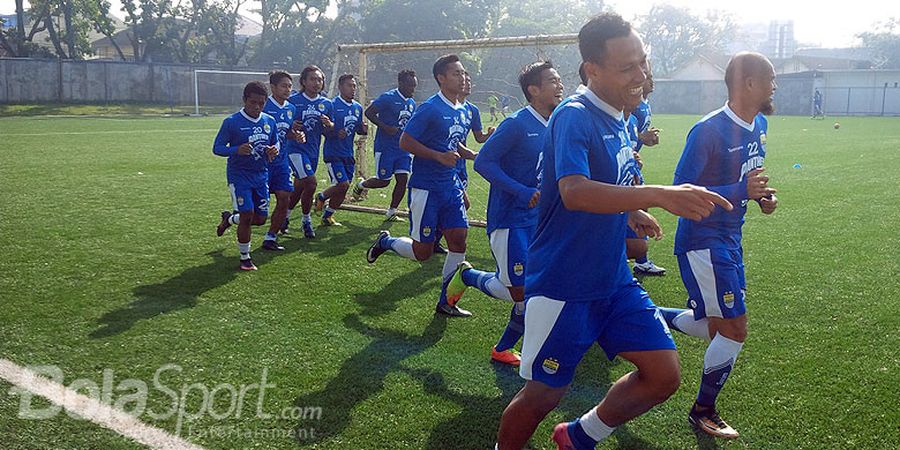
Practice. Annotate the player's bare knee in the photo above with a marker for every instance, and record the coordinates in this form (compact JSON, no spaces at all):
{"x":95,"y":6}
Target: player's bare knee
{"x":422,"y":250}
{"x":517,"y":293}
{"x":259,"y":220}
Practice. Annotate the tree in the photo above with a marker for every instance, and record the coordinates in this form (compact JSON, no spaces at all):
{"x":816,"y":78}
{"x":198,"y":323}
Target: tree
{"x":676,"y":36}
{"x":884,"y":42}
{"x":67,"y":23}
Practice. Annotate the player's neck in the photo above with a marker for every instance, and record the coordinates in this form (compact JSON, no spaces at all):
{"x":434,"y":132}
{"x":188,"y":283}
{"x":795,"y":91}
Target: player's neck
{"x":450,"y":96}
{"x":543,"y":110}
{"x":745,"y":112}
{"x":278,"y":100}
{"x":311,"y":96}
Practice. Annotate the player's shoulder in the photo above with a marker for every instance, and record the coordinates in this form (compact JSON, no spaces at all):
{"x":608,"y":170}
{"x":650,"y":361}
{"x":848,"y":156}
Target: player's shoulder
{"x":762,"y":121}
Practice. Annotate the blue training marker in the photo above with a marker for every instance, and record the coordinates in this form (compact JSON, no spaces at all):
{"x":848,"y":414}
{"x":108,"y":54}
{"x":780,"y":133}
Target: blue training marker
{"x":797,"y":166}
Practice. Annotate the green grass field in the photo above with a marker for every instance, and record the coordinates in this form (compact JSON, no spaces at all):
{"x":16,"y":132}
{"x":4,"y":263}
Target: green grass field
{"x":111,"y":263}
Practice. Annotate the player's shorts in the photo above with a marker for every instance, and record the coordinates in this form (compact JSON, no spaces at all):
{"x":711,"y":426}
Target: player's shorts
{"x":463,"y":178}
{"x":559,"y":333}
{"x":389,"y":163}
{"x":303,"y":165}
{"x":715,"y":282}
{"x":247,"y":198}
{"x":510,"y":248}
{"x":340,"y":170}
{"x":280,"y":178}
{"x":430,"y":211}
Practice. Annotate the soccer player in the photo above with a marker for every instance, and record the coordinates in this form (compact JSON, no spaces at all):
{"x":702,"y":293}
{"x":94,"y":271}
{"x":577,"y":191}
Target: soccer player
{"x":314,"y":111}
{"x":817,"y":105}
{"x":434,"y":135}
{"x":280,"y":184}
{"x":338,"y":150}
{"x":578,"y":285}
{"x":641,"y":133}
{"x":390,"y":112}
{"x":724,"y":152}
{"x":249,"y":139}
{"x":509,"y":161}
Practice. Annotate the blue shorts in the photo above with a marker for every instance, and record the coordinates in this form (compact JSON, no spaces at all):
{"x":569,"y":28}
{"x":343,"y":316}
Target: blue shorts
{"x":247,"y":198}
{"x":391,"y":162}
{"x":430,"y":211}
{"x":303,"y":165}
{"x":714,"y":279}
{"x":280,"y":178}
{"x":341,"y":170}
{"x":510,"y":248}
{"x":558,"y":333}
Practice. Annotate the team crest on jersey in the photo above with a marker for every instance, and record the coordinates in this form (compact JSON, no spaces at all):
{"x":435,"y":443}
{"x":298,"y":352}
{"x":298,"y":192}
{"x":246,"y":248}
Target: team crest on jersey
{"x":728,"y":297}
{"x":240,"y":201}
{"x":550,"y":366}
{"x":470,"y":114}
{"x":338,"y":175}
{"x":308,"y":167}
{"x":518,"y":269}
{"x":321,"y":107}
{"x":426,"y":231}
{"x":462,"y":116}
{"x":290,"y":114}
{"x":383,"y":171}
{"x":267,"y":128}
{"x":762,"y":139}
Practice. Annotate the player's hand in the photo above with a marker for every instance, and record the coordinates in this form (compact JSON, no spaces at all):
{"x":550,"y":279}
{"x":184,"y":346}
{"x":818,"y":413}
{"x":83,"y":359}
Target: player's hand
{"x":649,"y":137}
{"x":464,"y":151}
{"x":691,"y":202}
{"x":758,"y":184}
{"x":271,"y":152}
{"x":342,"y":133}
{"x":297,"y":133}
{"x":535,"y":198}
{"x":390,"y":130}
{"x":326,"y":122}
{"x":768,"y":204}
{"x":490,"y":131}
{"x":448,"y":158}
{"x":365,"y":128}
{"x":637,"y":159}
{"x":644,"y":224}
{"x":245,"y":149}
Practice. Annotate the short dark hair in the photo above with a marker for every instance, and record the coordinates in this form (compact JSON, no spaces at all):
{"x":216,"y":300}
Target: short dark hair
{"x":255,"y":88}
{"x":582,"y":73}
{"x":531,"y":76}
{"x":601,"y":28}
{"x":277,"y":75}
{"x":440,"y":66}
{"x":407,"y":75}
{"x":345,"y":77}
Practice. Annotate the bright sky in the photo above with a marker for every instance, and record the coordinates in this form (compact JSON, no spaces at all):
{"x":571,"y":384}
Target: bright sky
{"x":814,"y":22}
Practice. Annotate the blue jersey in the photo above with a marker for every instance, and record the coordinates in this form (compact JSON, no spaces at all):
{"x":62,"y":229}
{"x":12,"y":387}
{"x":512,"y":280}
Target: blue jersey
{"x":238,"y":129}
{"x":720,"y":150}
{"x":393,"y":110}
{"x":440,"y":125}
{"x":284,"y":118}
{"x":509,"y":161}
{"x":632,"y":125}
{"x":310,"y":111}
{"x":473,"y":123}
{"x":641,"y":116}
{"x":346,"y":116}
{"x":580,"y":256}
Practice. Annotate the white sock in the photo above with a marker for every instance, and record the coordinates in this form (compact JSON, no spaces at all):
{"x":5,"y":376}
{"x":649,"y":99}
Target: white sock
{"x":720,"y":351}
{"x":688,"y":325}
{"x":391,"y":212}
{"x":594,"y":427}
{"x":307,"y":218}
{"x":235,"y":219}
{"x":244,"y":248}
{"x":404,"y":247}
{"x":360,"y":184}
{"x":453,"y":260}
{"x":498,"y":290}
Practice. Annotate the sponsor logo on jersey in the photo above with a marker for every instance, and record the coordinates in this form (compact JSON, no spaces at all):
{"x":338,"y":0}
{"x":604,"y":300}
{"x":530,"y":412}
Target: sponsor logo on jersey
{"x":533,"y":134}
{"x":550,"y":366}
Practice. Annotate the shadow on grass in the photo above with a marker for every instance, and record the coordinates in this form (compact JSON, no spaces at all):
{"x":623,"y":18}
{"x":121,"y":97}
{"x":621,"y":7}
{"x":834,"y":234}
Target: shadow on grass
{"x":362,"y":375}
{"x":173,"y":294}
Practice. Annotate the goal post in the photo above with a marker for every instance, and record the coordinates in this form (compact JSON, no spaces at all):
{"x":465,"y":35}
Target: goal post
{"x":219,"y":87}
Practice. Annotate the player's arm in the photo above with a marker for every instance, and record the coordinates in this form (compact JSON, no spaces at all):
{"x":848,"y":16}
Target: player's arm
{"x":222,"y":144}
{"x":372,"y":114}
{"x":487,"y":164}
{"x":419,"y":150}
{"x":274,"y":145}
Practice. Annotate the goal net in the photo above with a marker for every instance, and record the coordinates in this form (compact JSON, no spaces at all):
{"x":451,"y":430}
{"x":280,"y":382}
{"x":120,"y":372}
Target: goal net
{"x":494,"y":65}
{"x":221,"y":91}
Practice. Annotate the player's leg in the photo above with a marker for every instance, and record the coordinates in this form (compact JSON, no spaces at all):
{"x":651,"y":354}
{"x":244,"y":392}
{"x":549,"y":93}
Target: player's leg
{"x":633,"y":329}
{"x":636,"y":248}
{"x":243,"y":200}
{"x":714,"y":279}
{"x":279,"y":215}
{"x":452,"y":219}
{"x":423,"y":210}
{"x":401,"y":168}
{"x":557,"y":335}
{"x":336,"y":193}
{"x":304,"y":168}
{"x":494,"y":284}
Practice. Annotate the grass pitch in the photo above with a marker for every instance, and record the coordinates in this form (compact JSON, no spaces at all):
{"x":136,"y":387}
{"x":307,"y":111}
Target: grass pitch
{"x":111,"y":263}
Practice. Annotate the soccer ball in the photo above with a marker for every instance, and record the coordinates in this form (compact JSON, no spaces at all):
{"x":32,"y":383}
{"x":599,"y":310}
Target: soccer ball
{"x":837,"y":125}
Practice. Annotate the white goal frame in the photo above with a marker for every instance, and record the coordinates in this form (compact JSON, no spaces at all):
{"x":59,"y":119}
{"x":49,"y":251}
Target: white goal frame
{"x":232,"y":72}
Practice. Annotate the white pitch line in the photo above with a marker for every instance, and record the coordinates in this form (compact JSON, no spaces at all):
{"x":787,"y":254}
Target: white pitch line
{"x":92,"y":409}
{"x":64,"y":133}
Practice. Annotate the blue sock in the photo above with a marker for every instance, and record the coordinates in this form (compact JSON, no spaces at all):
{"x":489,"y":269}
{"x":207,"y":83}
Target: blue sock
{"x":718,"y":362}
{"x":578,"y":436}
{"x":328,"y":212}
{"x":514,"y":331}
{"x":641,"y":259}
{"x":442,"y":300}
{"x":472,"y":277}
{"x":321,"y":196}
{"x":270,"y":236}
